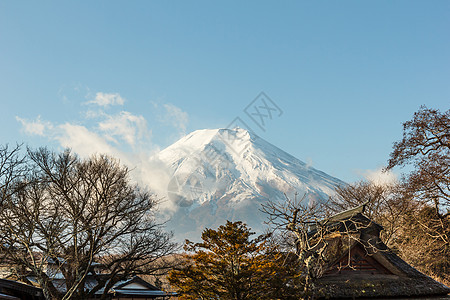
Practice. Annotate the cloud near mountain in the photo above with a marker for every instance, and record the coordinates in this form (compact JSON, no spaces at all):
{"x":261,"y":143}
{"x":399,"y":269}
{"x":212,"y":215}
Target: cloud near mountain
{"x":216,"y":175}
{"x":205,"y":178}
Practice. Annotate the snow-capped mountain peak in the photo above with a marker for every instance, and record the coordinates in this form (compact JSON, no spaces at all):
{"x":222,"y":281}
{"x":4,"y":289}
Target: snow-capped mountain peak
{"x":225,"y":174}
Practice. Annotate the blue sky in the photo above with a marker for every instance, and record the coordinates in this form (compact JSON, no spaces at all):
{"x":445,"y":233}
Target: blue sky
{"x":130,"y":77}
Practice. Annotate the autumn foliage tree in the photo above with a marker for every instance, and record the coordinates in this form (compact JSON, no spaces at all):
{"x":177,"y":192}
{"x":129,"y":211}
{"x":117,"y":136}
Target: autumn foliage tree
{"x":229,"y":264}
{"x":415,"y":211}
{"x":426,"y":147}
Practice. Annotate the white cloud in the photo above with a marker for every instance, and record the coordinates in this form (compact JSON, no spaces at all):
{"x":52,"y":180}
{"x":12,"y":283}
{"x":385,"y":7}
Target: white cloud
{"x":147,"y":171}
{"x":36,"y":127}
{"x":380,"y":177}
{"x":309,"y":162}
{"x":176,"y":117}
{"x":125,"y":125}
{"x":123,"y":135}
{"x":105,"y":99}
{"x":150,"y":171}
{"x":83,"y":141}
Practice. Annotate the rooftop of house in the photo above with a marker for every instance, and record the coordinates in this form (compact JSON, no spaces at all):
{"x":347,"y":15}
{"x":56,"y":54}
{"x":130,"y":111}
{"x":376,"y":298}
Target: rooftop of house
{"x":10,"y":289}
{"x":368,"y":268}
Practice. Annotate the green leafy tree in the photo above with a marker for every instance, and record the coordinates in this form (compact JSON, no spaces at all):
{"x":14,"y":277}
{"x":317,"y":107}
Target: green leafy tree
{"x":228,"y":264}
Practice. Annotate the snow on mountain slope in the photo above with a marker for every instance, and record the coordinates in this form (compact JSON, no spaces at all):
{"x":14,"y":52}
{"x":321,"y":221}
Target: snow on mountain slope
{"x":225,"y":174}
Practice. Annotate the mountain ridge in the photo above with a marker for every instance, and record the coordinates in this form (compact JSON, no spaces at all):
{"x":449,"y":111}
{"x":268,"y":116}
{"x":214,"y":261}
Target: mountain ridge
{"x":226,"y":174}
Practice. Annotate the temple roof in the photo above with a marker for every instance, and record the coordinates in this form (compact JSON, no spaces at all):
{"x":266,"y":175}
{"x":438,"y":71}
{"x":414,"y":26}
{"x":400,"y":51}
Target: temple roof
{"x":368,"y":268}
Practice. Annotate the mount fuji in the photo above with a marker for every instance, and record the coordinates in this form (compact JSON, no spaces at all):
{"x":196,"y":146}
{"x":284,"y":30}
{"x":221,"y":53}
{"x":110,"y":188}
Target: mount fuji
{"x":226,"y":174}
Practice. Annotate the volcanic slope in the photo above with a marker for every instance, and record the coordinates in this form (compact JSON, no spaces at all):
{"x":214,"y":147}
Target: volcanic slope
{"x":225,"y":174}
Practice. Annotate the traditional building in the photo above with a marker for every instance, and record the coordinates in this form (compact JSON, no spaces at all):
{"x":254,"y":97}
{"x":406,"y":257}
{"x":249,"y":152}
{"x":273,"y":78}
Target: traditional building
{"x":13,"y":290}
{"x":132,"y":288}
{"x":137,"y":288}
{"x":362,"y":266}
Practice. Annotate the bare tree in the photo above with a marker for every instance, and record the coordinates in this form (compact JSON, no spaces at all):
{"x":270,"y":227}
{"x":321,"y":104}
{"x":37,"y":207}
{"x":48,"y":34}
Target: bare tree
{"x":426,"y":147}
{"x":319,"y":238}
{"x":12,"y":168}
{"x":79,"y":215}
{"x":385,"y":204}
{"x":297,"y":218}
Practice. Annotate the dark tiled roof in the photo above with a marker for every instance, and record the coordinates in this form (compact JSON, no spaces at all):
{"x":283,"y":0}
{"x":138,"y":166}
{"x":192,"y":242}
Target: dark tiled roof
{"x":21,"y":287}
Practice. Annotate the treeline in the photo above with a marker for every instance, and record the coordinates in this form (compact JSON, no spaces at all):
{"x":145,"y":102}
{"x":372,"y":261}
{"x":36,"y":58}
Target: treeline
{"x":86,"y":218}
{"x":76,"y":223}
{"x":413,"y":211}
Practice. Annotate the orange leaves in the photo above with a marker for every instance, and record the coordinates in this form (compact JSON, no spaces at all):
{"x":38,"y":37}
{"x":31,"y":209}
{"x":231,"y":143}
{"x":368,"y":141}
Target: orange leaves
{"x":228,"y":264}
